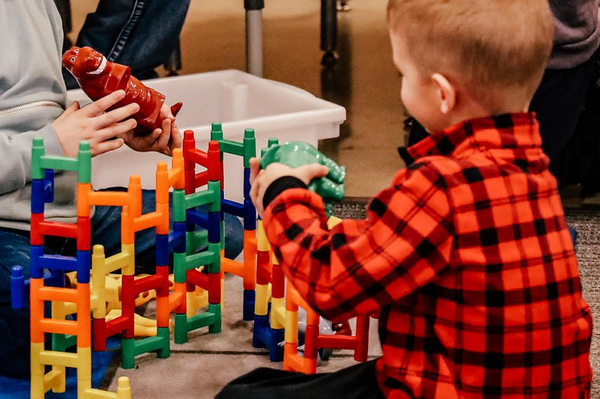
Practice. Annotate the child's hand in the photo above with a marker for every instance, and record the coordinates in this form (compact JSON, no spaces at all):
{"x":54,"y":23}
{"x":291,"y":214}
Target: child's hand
{"x":262,"y":179}
{"x":163,"y":140}
{"x":92,"y":124}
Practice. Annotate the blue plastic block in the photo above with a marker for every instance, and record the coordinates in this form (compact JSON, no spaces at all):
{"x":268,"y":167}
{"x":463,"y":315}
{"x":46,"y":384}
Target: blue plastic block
{"x":162,"y":250}
{"x":261,"y":331}
{"x":84,"y":260}
{"x":248,"y":311}
{"x":49,"y":186}
{"x":189,"y":226}
{"x":573,"y":234}
{"x":222,"y":211}
{"x":214,"y":227}
{"x":177,"y":238}
{"x":247,"y":185}
{"x":37,"y":196}
{"x":198,"y":218}
{"x":233,"y":208}
{"x":17,"y":287}
{"x":36,"y":269}
{"x":249,"y":215}
{"x":55,"y":278}
{"x":276,"y":351}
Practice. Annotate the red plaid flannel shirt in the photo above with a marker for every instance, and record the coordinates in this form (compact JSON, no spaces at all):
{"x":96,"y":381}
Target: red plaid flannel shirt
{"x":468,"y":260}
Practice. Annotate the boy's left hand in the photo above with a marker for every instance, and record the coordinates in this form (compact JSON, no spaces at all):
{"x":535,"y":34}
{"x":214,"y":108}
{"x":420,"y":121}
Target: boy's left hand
{"x":163,"y":140}
{"x":262,"y":179}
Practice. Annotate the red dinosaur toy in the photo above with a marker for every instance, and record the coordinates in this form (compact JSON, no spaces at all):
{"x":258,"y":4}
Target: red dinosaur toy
{"x":99,"y":77}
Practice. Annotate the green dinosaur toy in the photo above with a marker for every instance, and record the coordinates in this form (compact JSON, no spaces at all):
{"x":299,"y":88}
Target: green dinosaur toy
{"x":295,"y":154}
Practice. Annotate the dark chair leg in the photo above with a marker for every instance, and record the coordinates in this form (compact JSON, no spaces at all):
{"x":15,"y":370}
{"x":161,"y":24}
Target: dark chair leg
{"x":343,"y":5}
{"x":173,"y":63}
{"x":329,"y":32}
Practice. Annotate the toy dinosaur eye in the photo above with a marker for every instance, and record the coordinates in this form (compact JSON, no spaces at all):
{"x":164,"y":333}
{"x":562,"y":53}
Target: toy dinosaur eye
{"x":72,"y":59}
{"x":76,"y":51}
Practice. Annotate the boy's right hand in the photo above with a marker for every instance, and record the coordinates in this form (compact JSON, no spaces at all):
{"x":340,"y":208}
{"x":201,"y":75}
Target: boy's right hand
{"x":93,"y":124}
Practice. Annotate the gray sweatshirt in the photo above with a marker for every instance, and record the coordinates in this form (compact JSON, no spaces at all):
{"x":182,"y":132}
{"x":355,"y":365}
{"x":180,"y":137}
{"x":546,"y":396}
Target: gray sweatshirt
{"x":32,"y":95}
{"x":575,"y":32}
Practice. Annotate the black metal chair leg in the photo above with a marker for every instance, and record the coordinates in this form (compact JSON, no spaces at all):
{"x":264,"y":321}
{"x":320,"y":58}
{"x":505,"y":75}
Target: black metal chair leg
{"x":173,"y":63}
{"x":329,"y":32}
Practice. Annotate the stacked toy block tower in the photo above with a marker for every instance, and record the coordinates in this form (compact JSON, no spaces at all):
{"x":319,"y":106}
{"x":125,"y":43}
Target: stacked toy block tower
{"x":279,"y":323}
{"x":189,"y":264}
{"x":246,"y":210}
{"x":52,"y":290}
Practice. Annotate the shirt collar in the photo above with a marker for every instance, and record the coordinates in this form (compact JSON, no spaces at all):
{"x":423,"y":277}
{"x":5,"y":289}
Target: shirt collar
{"x":519,"y":130}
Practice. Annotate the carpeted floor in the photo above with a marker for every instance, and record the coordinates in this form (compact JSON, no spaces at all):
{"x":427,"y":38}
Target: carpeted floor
{"x":200,"y":368}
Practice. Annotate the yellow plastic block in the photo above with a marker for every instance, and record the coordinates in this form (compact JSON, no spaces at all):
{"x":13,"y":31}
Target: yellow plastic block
{"x":84,"y":363}
{"x":262,"y":242}
{"x":261,"y":304}
{"x":123,"y":388}
{"x":278,"y":316}
{"x":55,"y":380}
{"x":59,"y":359}
{"x":196,"y":300}
{"x":291,"y":327}
{"x":332,"y":222}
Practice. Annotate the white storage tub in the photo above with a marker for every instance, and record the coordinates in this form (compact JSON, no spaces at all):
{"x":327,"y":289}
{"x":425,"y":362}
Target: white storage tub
{"x":236,"y":99}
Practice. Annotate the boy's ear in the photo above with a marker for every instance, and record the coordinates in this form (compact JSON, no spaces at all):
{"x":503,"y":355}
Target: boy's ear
{"x":445,"y":91}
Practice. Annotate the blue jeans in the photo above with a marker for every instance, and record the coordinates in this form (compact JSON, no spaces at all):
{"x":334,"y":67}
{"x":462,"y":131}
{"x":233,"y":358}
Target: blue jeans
{"x":106,"y":230}
{"x":137,"y":33}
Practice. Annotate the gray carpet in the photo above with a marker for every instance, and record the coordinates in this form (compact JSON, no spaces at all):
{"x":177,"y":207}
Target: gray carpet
{"x":200,"y":368}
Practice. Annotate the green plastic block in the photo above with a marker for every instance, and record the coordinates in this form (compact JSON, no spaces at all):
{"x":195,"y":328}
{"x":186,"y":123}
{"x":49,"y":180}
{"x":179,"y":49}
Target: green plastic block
{"x":201,"y":198}
{"x":150,"y":344}
{"x":37,"y":151}
{"x":215,"y":309}
{"x":61,"y":342}
{"x":59,"y":163}
{"x":190,"y":248}
{"x":215,"y":200}
{"x":249,"y":146}
{"x":181,"y":329}
{"x":179,"y":206}
{"x":199,"y":239}
{"x":179,"y":263}
{"x":200,"y":320}
{"x":272,"y":141}
{"x":231,"y":147}
{"x":85,"y":162}
{"x":165,"y":351}
{"x":215,"y":267}
{"x":200,"y":259}
{"x":127,"y":353}
{"x":216,"y":132}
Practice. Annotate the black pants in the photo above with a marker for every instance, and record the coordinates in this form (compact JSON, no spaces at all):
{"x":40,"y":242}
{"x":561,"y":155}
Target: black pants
{"x":358,"y":382}
{"x":558,"y":103}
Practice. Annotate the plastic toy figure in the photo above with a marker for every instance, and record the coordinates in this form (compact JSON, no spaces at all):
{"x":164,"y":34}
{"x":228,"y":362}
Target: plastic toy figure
{"x":99,"y":77}
{"x":296,"y":153}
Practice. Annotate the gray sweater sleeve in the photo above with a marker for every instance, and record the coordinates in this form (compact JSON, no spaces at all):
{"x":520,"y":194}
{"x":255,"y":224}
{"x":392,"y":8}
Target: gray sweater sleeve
{"x":32,"y":96}
{"x":15,"y":156}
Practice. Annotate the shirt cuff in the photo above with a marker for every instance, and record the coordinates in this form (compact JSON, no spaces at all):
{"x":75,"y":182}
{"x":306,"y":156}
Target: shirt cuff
{"x":279,"y":186}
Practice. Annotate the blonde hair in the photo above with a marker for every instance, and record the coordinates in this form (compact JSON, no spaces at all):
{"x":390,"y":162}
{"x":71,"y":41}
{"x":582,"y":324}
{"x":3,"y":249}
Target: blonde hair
{"x":486,"y":45}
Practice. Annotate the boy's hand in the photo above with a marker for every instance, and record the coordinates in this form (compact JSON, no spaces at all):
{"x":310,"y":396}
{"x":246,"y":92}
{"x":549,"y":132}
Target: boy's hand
{"x":92,"y":124}
{"x":163,"y":140}
{"x":262,"y":179}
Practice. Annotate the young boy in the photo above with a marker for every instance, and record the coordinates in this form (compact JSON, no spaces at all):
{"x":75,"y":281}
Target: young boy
{"x":466,"y":257}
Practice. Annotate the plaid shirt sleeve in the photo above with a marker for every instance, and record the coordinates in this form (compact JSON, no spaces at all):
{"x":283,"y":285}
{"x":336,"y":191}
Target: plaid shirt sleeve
{"x":362,"y":265}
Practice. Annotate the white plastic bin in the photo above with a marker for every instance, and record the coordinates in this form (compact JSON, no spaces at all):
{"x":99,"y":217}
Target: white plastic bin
{"x":236,"y":99}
